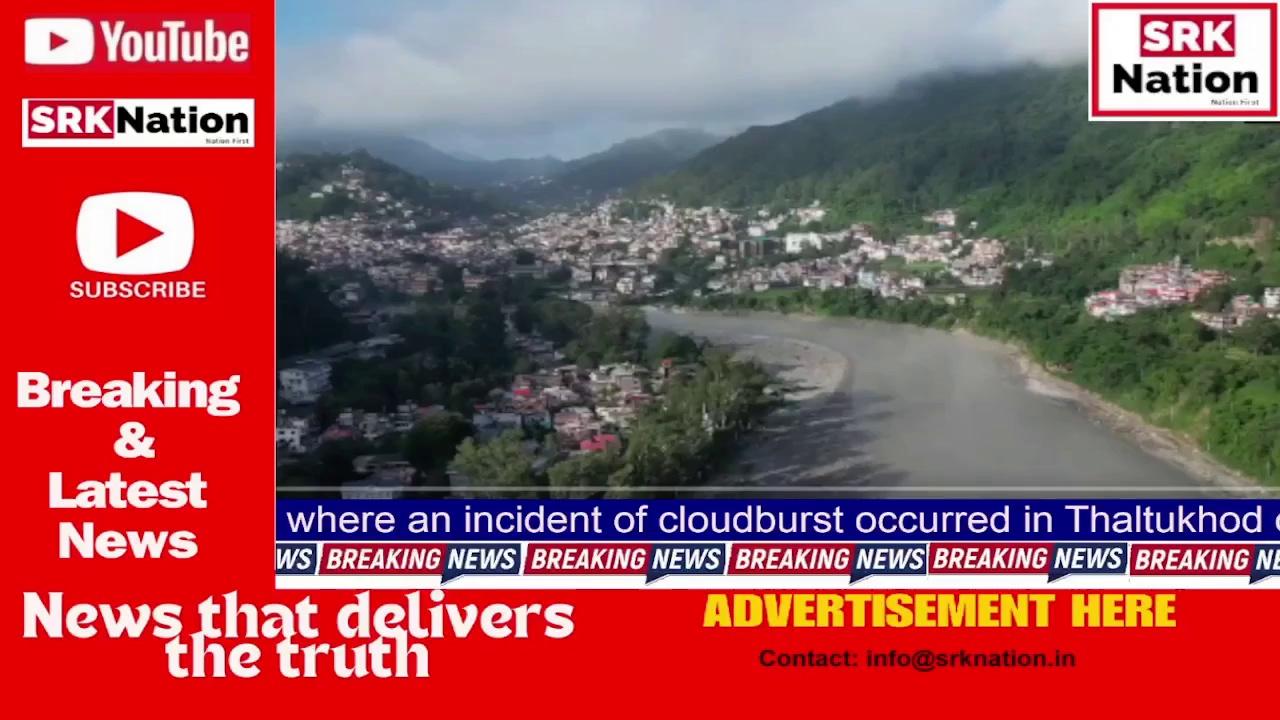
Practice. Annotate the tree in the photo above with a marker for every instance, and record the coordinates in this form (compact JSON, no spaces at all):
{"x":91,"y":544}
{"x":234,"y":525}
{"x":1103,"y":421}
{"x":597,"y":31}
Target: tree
{"x":430,"y":445}
{"x":1260,"y":336}
{"x":681,"y":348}
{"x":615,"y":335}
{"x":1215,"y":299}
{"x":559,"y":320}
{"x":559,"y":275}
{"x":306,"y":319}
{"x":583,"y":473}
{"x":450,"y":274}
{"x":502,"y":463}
{"x":523,"y":318}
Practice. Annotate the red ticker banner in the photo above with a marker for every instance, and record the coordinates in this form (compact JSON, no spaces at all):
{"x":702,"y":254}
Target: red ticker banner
{"x":141,"y":508}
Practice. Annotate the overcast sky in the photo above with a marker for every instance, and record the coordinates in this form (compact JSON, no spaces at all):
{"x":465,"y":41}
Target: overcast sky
{"x":519,"y":78}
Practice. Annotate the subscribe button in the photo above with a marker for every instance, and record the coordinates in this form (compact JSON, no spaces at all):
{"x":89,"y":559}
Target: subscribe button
{"x":141,"y":234}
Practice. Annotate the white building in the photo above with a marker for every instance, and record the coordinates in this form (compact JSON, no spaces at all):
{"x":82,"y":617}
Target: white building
{"x":811,"y":214}
{"x":291,"y":433}
{"x":1271,"y":298}
{"x":305,"y":382}
{"x":943,"y":218}
{"x":797,"y":242}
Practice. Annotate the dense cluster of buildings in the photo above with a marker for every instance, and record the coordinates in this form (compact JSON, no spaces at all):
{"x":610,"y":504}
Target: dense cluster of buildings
{"x":1154,"y":286}
{"x":586,"y":410}
{"x":572,"y":410}
{"x":614,"y":249}
{"x":893,"y":270}
{"x":618,"y":249}
{"x":400,"y":263}
{"x":1143,"y":287}
{"x":579,"y":406}
{"x":387,"y":239}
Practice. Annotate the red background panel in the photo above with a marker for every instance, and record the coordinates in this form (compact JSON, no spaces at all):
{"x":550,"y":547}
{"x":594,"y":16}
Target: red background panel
{"x":633,"y":652}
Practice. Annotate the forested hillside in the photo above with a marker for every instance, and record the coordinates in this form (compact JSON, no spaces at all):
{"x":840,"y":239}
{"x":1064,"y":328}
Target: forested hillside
{"x":634,"y":160}
{"x":1012,"y":149}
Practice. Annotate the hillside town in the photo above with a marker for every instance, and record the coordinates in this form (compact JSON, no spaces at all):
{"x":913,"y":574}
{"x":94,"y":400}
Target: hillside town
{"x":967,"y":262}
{"x":614,"y":251}
{"x":621,"y":250}
{"x":563,"y":410}
{"x":617,"y":251}
{"x":1144,"y":287}
{"x":384,"y":259}
{"x":381,"y":237}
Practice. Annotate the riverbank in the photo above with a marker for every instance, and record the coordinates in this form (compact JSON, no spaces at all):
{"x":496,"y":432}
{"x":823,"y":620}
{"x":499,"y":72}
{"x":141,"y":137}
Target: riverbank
{"x":1170,"y":446}
{"x":924,"y":410}
{"x":803,"y":370}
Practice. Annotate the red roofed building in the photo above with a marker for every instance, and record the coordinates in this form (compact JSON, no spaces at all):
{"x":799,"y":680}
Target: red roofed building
{"x":600,"y":443}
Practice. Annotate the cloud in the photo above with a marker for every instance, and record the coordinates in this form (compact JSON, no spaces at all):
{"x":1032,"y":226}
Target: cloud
{"x":510,"y":74}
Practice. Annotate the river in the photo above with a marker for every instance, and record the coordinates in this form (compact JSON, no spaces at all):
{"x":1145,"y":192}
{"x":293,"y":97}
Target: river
{"x":895,"y":410}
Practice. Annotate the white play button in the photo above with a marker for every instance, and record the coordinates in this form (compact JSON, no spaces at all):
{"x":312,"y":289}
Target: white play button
{"x":135,"y":233}
{"x":58,"y":41}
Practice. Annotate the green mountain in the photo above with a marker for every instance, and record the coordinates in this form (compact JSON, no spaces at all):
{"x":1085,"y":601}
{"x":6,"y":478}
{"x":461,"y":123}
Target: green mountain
{"x":632,"y":161}
{"x":301,"y":181}
{"x":1012,"y":149}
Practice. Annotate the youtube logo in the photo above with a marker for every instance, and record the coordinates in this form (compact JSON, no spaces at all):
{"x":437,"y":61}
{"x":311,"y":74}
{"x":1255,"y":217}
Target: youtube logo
{"x":139,"y":41}
{"x":135,"y":233}
{"x":58,"y":41}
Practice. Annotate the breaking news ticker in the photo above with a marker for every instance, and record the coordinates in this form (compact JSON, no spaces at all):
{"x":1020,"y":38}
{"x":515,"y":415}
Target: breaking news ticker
{"x":513,"y":356}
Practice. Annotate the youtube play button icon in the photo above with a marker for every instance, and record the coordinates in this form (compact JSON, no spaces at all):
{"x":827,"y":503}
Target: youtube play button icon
{"x":58,"y":41}
{"x":132,"y":233}
{"x":135,"y":233}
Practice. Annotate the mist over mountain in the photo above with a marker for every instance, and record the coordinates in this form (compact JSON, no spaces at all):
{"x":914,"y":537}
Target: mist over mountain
{"x":418,"y":157}
{"x":525,"y":78}
{"x":545,"y":178}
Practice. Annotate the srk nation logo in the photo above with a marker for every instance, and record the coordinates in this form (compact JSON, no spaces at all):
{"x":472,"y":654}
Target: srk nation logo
{"x":1183,"y":61}
{"x":137,"y":123}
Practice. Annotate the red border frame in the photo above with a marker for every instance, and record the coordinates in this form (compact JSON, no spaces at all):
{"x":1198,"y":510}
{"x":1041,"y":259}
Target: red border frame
{"x":1094,"y":110}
